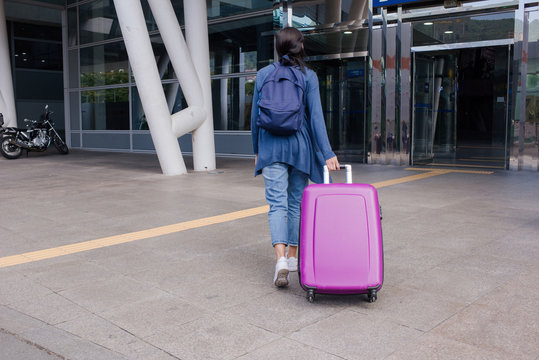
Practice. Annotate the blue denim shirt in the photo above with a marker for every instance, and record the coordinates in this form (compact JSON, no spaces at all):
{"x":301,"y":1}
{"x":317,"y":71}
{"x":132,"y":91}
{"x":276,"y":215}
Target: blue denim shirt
{"x":308,"y":149}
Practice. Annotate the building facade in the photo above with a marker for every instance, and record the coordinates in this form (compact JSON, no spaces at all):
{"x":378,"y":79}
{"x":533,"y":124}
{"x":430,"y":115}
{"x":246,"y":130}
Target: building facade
{"x":417,"y":82}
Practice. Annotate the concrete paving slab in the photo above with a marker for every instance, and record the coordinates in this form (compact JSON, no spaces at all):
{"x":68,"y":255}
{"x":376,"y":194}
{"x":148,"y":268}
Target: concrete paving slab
{"x":287,"y":349}
{"x":356,"y":336}
{"x":16,"y":322}
{"x":101,"y":296}
{"x":12,"y":347}
{"x":17,"y":287}
{"x":125,"y":259}
{"x":221,"y":291}
{"x":283,"y":314}
{"x":52,"y":309}
{"x":464,"y":286}
{"x":150,"y":316}
{"x":213,"y":337}
{"x":107,"y":334}
{"x":435,"y":347}
{"x":69,"y":274}
{"x":498,"y":322}
{"x":68,"y":345}
{"x":417,"y":309}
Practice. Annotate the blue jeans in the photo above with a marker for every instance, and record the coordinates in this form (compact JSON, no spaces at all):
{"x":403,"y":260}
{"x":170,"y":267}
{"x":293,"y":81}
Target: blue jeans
{"x":284,"y":190}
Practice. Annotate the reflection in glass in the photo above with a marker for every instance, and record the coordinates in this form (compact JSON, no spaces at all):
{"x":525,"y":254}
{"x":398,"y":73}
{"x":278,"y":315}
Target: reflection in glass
{"x":98,"y":21}
{"x":72,"y":29}
{"x":220,"y":8}
{"x":336,"y":42}
{"x":530,"y":150}
{"x":423,"y":108}
{"x":307,"y":13}
{"x":104,"y":65}
{"x":35,"y":31}
{"x":232,"y":103}
{"x":239,"y":46}
{"x":173,"y":95}
{"x":164,"y":66}
{"x":105,"y":109}
{"x":38,"y":55}
{"x":463,"y":29}
{"x":342,"y":93}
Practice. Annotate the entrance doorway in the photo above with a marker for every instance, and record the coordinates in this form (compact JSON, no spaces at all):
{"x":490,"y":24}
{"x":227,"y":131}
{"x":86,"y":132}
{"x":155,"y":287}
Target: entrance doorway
{"x":460,"y":107}
{"x":342,"y":85}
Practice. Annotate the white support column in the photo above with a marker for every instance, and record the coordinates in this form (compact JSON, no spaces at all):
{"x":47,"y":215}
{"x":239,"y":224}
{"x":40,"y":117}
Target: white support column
{"x":7,"y":95}
{"x":196,"y":33}
{"x":193,"y":116}
{"x":141,"y":58}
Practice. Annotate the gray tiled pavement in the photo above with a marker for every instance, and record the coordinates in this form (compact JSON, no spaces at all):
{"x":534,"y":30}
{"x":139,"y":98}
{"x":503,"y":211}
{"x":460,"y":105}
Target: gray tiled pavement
{"x":461,"y":267}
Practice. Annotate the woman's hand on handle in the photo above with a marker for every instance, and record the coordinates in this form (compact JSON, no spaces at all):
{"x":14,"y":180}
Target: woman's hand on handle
{"x":333,"y":164}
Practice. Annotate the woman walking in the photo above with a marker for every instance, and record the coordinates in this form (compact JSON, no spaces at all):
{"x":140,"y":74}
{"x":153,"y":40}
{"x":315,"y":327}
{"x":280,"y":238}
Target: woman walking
{"x":287,"y":162}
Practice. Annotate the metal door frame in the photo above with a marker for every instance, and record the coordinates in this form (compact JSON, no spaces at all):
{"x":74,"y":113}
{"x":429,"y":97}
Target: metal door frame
{"x":414,"y":87}
{"x":457,"y":46}
{"x":347,"y":56}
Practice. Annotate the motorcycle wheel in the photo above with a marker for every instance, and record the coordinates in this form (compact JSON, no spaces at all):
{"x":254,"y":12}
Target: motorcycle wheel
{"x":8,"y":150}
{"x":60,"y":145}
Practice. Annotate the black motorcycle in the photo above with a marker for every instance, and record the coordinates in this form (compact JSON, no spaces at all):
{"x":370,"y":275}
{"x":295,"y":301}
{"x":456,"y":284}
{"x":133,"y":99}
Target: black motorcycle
{"x":38,"y":136}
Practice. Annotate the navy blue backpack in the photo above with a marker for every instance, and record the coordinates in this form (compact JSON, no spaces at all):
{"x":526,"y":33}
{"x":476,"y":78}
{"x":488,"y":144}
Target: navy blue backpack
{"x":281,"y":107}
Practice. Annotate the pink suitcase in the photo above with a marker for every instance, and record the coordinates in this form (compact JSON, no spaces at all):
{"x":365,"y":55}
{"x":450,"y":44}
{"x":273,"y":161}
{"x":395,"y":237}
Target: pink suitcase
{"x":341,"y":239}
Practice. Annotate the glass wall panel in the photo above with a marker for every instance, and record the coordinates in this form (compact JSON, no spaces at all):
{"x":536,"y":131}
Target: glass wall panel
{"x":98,"y":21}
{"x":104,"y":65}
{"x":166,"y":71}
{"x":222,"y":8}
{"x":530,"y":150}
{"x":72,"y":28}
{"x":34,"y":31}
{"x":464,"y":29}
{"x":232,"y":103}
{"x":105,"y":109}
{"x":38,"y":55}
{"x":74,"y":110}
{"x":342,"y":93}
{"x":308,"y":13}
{"x":239,"y":46}
{"x":336,"y":42}
{"x":173,"y":95}
{"x":150,"y":21}
{"x":73,"y":56}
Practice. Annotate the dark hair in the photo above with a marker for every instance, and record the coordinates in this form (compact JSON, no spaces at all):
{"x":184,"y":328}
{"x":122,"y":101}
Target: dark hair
{"x":289,"y":41}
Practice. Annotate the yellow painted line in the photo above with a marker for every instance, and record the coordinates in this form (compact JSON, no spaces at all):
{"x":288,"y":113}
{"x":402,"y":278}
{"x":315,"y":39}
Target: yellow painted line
{"x":462,"y":165}
{"x":482,"y":160}
{"x":429,"y":173}
{"x":480,"y":147}
{"x":479,"y":172}
{"x":488,"y":157}
{"x":175,"y":228}
{"x":129,"y":237}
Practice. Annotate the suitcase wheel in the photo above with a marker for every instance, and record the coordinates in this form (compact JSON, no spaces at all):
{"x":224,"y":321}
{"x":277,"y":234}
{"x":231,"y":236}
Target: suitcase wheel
{"x":372,"y":296}
{"x":310,"y":296}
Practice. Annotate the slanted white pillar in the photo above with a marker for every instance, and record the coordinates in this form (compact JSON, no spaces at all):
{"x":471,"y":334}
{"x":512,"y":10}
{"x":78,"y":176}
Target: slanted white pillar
{"x":152,"y":97}
{"x":196,"y":33}
{"x":7,"y":96}
{"x":192,"y":67}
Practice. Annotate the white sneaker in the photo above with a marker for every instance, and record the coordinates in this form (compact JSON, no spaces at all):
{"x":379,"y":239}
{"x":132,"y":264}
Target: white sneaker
{"x":281,"y":273}
{"x":292,"y":263}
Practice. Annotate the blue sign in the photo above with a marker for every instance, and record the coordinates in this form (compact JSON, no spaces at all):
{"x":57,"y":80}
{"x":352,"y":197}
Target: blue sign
{"x":353,"y":73}
{"x":378,"y":3}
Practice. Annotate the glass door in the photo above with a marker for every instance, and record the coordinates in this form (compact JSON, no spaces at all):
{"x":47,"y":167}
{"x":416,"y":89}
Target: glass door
{"x":342,"y":93}
{"x":423,"y":110}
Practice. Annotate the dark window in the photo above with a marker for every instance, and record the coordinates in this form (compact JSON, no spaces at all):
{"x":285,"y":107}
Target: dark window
{"x":38,"y":55}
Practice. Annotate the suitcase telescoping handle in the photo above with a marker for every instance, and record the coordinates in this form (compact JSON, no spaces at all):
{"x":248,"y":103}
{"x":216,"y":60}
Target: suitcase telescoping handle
{"x":348,"y":173}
